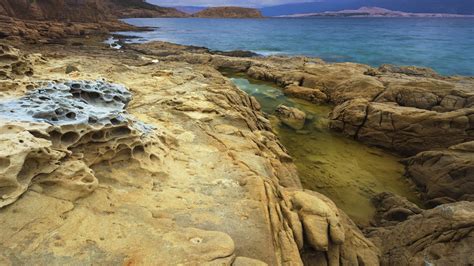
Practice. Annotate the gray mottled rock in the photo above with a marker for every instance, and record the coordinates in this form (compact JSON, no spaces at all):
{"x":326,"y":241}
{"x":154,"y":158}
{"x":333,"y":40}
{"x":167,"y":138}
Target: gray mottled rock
{"x":74,"y":102}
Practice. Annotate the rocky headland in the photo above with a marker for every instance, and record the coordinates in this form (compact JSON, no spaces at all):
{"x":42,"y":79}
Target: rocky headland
{"x":149,"y":155}
{"x":228,"y":12}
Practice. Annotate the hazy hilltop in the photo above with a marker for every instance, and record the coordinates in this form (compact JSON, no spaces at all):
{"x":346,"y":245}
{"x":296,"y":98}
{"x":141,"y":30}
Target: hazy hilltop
{"x":374,"y":12}
{"x":418,"y":6}
{"x":229,"y":12}
{"x":85,"y":10}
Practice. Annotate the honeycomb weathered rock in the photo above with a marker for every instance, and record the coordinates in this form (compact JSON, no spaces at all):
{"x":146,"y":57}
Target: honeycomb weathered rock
{"x":46,"y":131}
{"x":13,"y":63}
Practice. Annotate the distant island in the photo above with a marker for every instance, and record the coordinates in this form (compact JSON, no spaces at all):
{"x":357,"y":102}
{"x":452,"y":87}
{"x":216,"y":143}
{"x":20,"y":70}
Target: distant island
{"x":229,"y":12}
{"x":375,"y":12}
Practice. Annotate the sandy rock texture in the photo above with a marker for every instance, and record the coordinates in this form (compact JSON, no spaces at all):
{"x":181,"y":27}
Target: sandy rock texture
{"x":441,"y":236}
{"x":290,"y":116}
{"x":192,"y":174}
{"x":445,"y":175}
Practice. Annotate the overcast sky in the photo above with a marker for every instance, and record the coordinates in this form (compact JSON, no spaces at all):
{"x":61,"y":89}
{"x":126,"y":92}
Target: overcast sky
{"x":254,"y":3}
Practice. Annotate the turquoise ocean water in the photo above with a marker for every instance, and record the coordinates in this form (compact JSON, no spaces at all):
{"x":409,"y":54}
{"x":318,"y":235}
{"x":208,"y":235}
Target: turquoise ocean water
{"x":444,"y":44}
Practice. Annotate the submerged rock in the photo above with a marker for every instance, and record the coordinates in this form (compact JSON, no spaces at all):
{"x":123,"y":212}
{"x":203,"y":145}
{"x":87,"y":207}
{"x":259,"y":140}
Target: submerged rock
{"x":313,"y":95}
{"x":290,"y":116}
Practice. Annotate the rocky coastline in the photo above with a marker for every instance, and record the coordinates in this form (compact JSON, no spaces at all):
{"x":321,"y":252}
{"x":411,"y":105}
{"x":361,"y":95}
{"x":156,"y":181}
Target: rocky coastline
{"x":192,"y":173}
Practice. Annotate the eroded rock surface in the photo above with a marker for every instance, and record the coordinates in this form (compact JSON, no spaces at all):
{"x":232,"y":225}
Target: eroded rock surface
{"x":441,"y":236}
{"x":45,"y":129}
{"x":290,"y":116}
{"x":445,"y":175}
{"x":392,"y":209}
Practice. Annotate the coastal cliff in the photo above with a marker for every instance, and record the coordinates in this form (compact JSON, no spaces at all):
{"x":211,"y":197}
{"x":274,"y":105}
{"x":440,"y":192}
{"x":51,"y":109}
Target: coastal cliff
{"x":228,"y":12}
{"x":83,"y":11}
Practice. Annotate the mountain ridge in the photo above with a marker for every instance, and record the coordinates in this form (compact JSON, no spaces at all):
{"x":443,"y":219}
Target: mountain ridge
{"x":83,"y":11}
{"x":464,"y":7}
{"x":373,"y":12}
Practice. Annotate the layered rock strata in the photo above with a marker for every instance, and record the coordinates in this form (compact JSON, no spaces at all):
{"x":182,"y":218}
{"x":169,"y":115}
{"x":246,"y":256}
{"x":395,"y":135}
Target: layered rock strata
{"x":440,"y":236}
{"x":445,"y":175}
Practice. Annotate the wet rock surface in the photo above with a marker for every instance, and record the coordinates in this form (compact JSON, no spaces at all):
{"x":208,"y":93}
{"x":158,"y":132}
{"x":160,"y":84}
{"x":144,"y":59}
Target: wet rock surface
{"x":290,"y":116}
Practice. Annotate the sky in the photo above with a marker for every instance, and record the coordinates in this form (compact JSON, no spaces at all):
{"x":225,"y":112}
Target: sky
{"x":253,"y":3}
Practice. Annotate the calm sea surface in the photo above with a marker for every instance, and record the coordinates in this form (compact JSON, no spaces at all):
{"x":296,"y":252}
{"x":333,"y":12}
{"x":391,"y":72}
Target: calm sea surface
{"x":446,"y":45}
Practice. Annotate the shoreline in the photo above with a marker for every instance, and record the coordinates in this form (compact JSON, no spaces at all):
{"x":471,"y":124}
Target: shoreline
{"x":229,"y":156}
{"x":375,"y":56}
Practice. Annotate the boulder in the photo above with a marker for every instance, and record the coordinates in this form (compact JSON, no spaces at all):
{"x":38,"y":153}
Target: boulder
{"x":313,"y":95}
{"x":445,"y":175}
{"x":392,"y":209}
{"x":330,"y":237}
{"x":406,"y":130}
{"x":440,"y":236}
{"x":291,"y":116}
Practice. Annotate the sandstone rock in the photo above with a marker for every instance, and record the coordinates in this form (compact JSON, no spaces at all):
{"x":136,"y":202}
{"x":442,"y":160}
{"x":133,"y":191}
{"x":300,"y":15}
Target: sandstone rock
{"x":13,"y":63}
{"x":243,"y":261}
{"x":291,"y":116}
{"x":440,"y":236}
{"x":444,"y":175}
{"x":312,"y":95}
{"x":85,"y":118}
{"x":409,"y":70}
{"x":332,"y":238}
{"x":403,"y":129}
{"x":23,"y":157}
{"x":71,"y":68}
{"x":392,"y":209}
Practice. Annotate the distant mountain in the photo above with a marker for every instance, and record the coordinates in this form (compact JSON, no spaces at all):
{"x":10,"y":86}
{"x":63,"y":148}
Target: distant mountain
{"x":190,"y":9}
{"x":83,"y":11}
{"x":412,"y":6}
{"x":228,"y":12}
{"x":375,"y":12}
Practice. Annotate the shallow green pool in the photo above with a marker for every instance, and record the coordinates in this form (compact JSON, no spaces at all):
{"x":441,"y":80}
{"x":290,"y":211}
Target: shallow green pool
{"x":348,"y":172}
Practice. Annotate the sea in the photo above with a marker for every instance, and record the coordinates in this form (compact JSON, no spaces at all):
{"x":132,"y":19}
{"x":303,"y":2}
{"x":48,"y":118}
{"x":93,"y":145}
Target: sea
{"x":444,"y":44}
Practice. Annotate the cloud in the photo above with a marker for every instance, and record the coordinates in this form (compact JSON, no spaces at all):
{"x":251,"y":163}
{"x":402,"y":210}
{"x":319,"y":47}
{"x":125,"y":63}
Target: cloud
{"x":249,"y":3}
